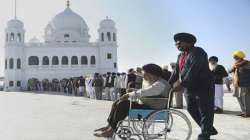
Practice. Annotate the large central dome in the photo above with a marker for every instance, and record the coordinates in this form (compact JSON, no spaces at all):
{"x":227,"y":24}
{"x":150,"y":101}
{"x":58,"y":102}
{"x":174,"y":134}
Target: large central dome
{"x":68,"y":20}
{"x":67,"y":26}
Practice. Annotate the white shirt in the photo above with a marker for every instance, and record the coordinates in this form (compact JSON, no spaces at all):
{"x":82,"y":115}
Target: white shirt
{"x":152,"y":90}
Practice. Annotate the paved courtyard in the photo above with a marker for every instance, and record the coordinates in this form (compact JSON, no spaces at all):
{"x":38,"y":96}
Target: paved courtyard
{"x":50,"y":116}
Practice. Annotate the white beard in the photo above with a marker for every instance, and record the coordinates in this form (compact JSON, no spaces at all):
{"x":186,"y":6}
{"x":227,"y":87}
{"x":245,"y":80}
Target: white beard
{"x":146,"y":83}
{"x":212,"y":66}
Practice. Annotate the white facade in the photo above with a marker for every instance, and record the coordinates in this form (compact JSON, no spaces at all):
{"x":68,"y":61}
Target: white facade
{"x":66,"y":51}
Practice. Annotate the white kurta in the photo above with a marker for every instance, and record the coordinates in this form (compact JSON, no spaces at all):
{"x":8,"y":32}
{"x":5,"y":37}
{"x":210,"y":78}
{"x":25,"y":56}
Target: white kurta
{"x":219,"y":93}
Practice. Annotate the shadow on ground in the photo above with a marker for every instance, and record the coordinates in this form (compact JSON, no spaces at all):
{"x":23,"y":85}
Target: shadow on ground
{"x":232,"y":113}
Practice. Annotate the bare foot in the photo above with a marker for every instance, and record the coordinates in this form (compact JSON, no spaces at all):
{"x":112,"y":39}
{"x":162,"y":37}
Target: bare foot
{"x":108,"y":133}
{"x":102,"y":128}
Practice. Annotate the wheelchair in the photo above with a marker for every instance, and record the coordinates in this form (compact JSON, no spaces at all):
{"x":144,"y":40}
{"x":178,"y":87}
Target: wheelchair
{"x":150,"y":124}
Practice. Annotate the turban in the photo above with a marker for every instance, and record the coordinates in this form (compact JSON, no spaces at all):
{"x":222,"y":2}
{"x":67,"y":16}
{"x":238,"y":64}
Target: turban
{"x":185,"y":37}
{"x":153,"y":69}
{"x":213,"y":58}
{"x":239,"y":54}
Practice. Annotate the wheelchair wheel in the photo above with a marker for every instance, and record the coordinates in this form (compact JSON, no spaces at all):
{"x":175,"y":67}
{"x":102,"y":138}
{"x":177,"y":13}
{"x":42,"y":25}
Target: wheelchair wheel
{"x":125,"y":133}
{"x":167,"y":124}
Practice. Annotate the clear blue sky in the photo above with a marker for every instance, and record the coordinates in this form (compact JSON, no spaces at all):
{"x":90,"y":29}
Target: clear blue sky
{"x":146,"y":27}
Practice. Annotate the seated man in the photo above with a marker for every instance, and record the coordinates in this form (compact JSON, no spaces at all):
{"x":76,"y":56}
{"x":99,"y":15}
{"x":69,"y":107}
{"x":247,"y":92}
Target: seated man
{"x":158,"y":88}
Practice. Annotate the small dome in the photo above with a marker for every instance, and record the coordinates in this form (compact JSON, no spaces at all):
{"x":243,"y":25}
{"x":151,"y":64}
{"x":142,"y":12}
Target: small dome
{"x":34,"y":40}
{"x":107,"y":23}
{"x":15,"y":23}
{"x":68,"y":20}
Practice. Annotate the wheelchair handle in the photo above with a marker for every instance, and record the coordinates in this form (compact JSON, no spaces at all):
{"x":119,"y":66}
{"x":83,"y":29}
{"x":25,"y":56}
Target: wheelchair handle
{"x":170,"y":96}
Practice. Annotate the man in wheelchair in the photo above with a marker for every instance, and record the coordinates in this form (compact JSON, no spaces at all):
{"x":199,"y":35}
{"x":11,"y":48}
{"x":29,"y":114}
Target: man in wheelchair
{"x":158,"y":88}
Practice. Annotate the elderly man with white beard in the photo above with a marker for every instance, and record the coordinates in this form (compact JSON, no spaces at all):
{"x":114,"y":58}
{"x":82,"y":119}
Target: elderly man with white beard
{"x":219,"y":73}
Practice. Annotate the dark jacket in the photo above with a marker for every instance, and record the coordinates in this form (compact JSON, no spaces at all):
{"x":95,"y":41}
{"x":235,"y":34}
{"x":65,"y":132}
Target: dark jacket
{"x":244,"y":75}
{"x":108,"y":83}
{"x":112,"y":84}
{"x":97,"y":82}
{"x":219,"y":73}
{"x":196,"y":75}
{"x":82,"y":82}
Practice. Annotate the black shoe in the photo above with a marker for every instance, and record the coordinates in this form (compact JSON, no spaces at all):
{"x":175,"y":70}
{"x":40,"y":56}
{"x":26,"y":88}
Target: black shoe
{"x":213,"y":132}
{"x":218,"y":110}
{"x":203,"y":137}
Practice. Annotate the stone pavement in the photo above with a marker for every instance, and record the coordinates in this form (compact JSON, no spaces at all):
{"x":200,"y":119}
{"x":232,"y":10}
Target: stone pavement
{"x":50,"y":116}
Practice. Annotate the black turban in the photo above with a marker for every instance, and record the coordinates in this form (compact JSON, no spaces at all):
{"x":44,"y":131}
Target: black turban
{"x":213,"y":58}
{"x":153,"y":69}
{"x":185,"y":37}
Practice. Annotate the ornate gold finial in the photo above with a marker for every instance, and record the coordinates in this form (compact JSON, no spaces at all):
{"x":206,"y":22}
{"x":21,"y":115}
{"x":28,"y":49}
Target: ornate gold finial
{"x":68,"y":3}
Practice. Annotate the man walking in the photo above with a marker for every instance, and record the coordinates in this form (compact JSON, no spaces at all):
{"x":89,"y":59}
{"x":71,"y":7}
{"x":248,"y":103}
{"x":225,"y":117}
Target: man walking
{"x":98,"y":86}
{"x":219,"y":73}
{"x":81,"y":86}
{"x":193,"y":72}
{"x":107,"y":86}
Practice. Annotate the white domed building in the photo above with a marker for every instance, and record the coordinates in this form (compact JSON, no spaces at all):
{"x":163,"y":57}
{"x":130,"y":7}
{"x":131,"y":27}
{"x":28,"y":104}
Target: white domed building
{"x":66,"y":51}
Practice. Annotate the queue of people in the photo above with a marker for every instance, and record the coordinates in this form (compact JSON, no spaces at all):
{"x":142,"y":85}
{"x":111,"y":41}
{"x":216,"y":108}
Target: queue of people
{"x":109,"y":86}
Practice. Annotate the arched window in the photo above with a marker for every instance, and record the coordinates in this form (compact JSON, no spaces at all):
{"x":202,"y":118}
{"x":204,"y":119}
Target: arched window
{"x":66,"y":35}
{"x":74,"y":60}
{"x":109,"y":56}
{"x":109,"y":36}
{"x":12,"y":36}
{"x":18,"y":64}
{"x":65,"y":60}
{"x":18,"y":83}
{"x":45,"y":60}
{"x":33,"y":60}
{"x":19,"y":38}
{"x":114,"y":36}
{"x":102,"y":36}
{"x":6,"y":63}
{"x":11,"y":84}
{"x":92,"y":60}
{"x":55,"y":60}
{"x":11,"y":65}
{"x":7,"y":37}
{"x":84,"y":60}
